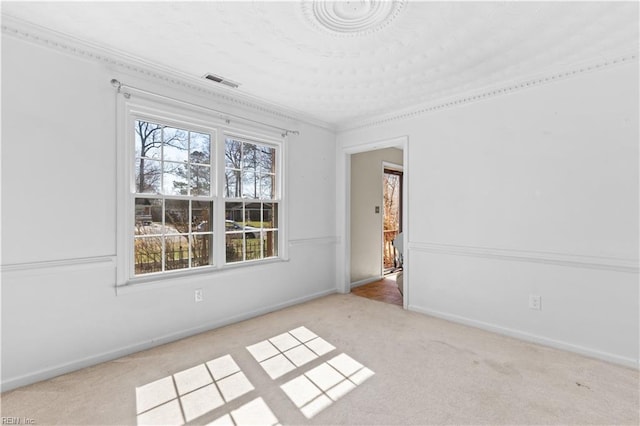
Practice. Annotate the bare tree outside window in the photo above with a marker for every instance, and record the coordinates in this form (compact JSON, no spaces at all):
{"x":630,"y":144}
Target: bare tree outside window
{"x":392,"y":220}
{"x":250,"y":181}
{"x":233,"y":165}
{"x":151,"y":138}
{"x":172,"y":233}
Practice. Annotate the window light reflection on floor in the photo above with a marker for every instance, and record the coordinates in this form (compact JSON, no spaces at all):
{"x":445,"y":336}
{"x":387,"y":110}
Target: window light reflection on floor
{"x":191,"y":393}
{"x":321,"y":386}
{"x":255,"y":412}
{"x":287,"y":351}
{"x":202,"y":392}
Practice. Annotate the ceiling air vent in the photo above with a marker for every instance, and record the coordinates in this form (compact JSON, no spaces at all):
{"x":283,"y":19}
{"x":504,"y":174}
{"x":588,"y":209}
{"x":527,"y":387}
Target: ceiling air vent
{"x":221,"y":80}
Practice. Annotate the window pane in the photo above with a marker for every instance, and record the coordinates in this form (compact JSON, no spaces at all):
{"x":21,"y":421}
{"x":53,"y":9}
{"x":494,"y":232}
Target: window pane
{"x":201,"y":249}
{"x":175,"y":179}
{"x":266,"y":159}
{"x":148,"y":175}
{"x":201,"y":216}
{"x":270,"y":215}
{"x":232,"y":184}
{"x":200,"y":180}
{"x":148,"y":139}
{"x":253,"y":247}
{"x":175,"y":144}
{"x":234,"y":237}
{"x":234,"y":215}
{"x":147,"y":254}
{"x":232,"y":154}
{"x":200,"y":148}
{"x":266,"y":187}
{"x":234,"y":247}
{"x":148,"y":216}
{"x":138,"y":141}
{"x":249,"y":157}
{"x":270,"y":244}
{"x":250,"y":184}
{"x":176,"y":216}
{"x":253,"y":216}
{"x":176,"y":252}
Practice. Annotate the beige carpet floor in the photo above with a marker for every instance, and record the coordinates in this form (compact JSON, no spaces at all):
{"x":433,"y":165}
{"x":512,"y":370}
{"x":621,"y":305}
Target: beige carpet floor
{"x":338,"y":360}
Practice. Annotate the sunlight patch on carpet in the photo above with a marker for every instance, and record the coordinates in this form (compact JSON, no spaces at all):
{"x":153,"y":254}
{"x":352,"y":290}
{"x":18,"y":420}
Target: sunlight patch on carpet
{"x":196,"y":391}
{"x":204,"y":392}
{"x":255,"y":412}
{"x":321,"y":386}
{"x":287,"y":351}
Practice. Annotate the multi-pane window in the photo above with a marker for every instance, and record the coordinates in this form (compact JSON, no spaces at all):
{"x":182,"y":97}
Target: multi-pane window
{"x":173,"y":198}
{"x":251,"y":200}
{"x":197,"y":201}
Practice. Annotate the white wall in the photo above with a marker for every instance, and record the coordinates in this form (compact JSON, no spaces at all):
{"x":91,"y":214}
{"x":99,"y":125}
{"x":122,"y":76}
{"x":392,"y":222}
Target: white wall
{"x":534,"y":192}
{"x":366,"y":225}
{"x":60,"y":310}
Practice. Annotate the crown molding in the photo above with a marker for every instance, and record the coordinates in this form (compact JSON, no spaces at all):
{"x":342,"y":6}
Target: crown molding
{"x":27,"y":31}
{"x":46,"y":37}
{"x":501,"y":89}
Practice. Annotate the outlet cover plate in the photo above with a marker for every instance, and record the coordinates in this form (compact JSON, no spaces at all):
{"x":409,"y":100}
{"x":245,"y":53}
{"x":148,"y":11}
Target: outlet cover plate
{"x":535,"y":302}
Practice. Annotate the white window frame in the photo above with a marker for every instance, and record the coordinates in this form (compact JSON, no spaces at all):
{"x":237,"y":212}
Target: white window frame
{"x":131,"y":109}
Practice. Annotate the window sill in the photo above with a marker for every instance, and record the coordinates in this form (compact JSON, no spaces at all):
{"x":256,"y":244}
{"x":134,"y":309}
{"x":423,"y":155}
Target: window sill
{"x":181,"y":278}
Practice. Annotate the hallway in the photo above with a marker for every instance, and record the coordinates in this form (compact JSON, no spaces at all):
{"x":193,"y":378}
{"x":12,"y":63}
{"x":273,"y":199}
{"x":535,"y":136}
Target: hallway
{"x":384,"y":290}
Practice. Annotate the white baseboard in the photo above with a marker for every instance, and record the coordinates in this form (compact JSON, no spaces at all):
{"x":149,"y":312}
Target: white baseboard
{"x":51,"y":372}
{"x":366,"y":281}
{"x":557,"y":344}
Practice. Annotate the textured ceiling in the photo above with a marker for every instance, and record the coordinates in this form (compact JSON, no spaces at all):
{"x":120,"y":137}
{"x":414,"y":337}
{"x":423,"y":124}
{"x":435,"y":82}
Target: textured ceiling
{"x":339,"y":62}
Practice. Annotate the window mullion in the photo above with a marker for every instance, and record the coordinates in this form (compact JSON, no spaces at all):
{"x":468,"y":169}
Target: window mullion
{"x":261,"y":230}
{"x":188,"y":164}
{"x":244,"y":235}
{"x":190,"y":235}
{"x":162,"y":237}
{"x":219,"y":208}
{"x":131,"y":235}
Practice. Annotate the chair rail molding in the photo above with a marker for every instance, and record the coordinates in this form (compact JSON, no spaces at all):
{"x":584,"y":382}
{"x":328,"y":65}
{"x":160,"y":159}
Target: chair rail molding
{"x":331,"y":240}
{"x":45,"y":267}
{"x":556,"y":258}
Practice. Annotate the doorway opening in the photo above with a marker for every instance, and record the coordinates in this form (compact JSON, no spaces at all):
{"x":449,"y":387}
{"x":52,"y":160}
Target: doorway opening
{"x":368,"y":207}
{"x":392,"y":220}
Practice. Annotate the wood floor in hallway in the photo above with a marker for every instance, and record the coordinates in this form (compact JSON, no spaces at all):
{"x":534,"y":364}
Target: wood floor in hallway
{"x":384,"y":290}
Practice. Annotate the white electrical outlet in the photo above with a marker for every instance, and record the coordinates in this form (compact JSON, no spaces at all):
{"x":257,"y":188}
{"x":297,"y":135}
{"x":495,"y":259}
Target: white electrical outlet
{"x":199,"y":295}
{"x":535,"y":302}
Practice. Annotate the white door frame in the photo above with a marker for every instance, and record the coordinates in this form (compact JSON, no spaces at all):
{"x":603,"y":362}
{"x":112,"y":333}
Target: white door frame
{"x":343,"y":209}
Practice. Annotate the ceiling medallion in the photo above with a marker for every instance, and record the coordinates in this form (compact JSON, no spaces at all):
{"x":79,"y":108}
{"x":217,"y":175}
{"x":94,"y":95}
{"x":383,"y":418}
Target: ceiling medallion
{"x":349,"y":18}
